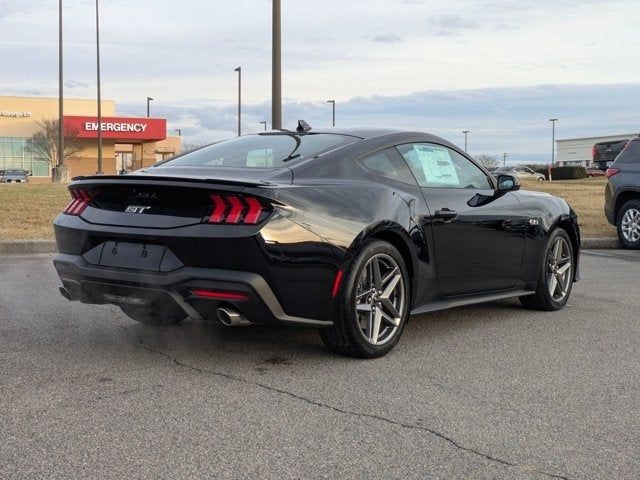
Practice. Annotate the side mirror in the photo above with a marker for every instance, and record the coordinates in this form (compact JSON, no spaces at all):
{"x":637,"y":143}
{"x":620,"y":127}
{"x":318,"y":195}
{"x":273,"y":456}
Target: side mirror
{"x":508,"y":183}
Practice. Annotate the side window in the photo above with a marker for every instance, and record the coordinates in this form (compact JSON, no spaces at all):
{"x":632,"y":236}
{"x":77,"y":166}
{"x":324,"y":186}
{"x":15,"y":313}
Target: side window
{"x":630,"y":155}
{"x":436,"y":166}
{"x":387,"y":163}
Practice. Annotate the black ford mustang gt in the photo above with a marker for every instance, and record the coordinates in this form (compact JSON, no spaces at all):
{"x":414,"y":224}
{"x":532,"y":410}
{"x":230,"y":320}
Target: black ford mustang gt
{"x":346,"y":230}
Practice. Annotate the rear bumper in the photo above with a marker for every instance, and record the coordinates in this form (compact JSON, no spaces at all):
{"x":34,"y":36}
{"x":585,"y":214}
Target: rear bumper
{"x":157,"y":290}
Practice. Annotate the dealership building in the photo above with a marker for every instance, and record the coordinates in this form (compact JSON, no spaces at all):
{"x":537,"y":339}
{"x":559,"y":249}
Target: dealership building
{"x":128,"y":143}
{"x":579,"y":151}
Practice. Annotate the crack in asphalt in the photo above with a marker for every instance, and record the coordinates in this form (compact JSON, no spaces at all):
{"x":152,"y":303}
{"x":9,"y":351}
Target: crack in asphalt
{"x":389,"y":421}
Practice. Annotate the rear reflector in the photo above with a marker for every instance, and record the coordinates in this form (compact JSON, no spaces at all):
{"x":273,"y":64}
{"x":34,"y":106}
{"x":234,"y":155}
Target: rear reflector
{"x":235,"y":209}
{"x":81,"y":200}
{"x":217,"y":295}
{"x":611,"y":172}
{"x":336,"y":284}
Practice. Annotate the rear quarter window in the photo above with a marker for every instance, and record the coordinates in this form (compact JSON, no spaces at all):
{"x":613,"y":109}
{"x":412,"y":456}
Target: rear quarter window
{"x":630,"y":155}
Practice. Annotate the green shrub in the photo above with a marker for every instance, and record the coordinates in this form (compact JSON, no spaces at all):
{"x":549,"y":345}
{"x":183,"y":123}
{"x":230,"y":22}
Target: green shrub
{"x":569,"y":172}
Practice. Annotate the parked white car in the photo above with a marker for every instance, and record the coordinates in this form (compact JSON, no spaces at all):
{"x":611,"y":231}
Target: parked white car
{"x":524,"y":173}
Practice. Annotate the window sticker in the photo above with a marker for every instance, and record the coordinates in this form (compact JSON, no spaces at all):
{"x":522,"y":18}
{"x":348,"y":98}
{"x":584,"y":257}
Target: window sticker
{"x":437,"y":165}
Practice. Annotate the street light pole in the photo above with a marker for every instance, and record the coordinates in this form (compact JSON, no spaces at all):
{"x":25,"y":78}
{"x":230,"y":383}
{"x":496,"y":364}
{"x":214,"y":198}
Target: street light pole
{"x":60,"y":91}
{"x":99,"y":96}
{"x":333,"y":107}
{"x":504,"y":159}
{"x":179,"y":130}
{"x":553,"y":141}
{"x":265,"y":125}
{"x":276,"y":68}
{"x":239,"y":70}
{"x":466,"y":132}
{"x":148,"y":102}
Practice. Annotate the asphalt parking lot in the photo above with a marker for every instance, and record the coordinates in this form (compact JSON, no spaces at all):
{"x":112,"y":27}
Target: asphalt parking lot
{"x":493,"y":391}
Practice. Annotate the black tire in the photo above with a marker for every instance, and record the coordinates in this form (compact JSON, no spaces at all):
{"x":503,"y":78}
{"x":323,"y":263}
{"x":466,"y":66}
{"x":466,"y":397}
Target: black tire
{"x":346,"y":336}
{"x":150,"y":317}
{"x":543,"y":299}
{"x":628,"y":208}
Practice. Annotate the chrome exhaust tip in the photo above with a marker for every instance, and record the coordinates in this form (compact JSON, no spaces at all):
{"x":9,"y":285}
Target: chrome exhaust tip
{"x":230,"y":317}
{"x":66,"y":294}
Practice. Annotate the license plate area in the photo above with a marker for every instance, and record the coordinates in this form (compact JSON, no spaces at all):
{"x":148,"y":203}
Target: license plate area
{"x":135,"y":256}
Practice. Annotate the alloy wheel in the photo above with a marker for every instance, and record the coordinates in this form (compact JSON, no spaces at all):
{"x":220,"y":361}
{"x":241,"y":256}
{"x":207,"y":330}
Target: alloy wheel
{"x":559,"y":269}
{"x":630,"y":225}
{"x":380,"y":299}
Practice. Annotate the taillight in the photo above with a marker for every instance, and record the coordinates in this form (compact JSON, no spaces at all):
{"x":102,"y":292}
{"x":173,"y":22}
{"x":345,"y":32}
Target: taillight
{"x":81,"y":200}
{"x":235,"y":209}
{"x":594,"y":152}
{"x":611,"y":172}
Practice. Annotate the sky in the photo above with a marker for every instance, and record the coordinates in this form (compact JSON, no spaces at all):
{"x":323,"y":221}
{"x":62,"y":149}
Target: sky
{"x":498,"y":68}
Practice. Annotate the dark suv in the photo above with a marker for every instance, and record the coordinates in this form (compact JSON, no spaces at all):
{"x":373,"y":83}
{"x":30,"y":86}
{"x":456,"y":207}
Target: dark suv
{"x":622,"y":194}
{"x":604,"y":153}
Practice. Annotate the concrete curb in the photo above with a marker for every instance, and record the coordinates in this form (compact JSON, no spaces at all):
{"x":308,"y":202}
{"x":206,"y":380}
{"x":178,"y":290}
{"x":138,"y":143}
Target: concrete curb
{"x":27,"y":246}
{"x":600,"y":243}
{"x":49,"y":246}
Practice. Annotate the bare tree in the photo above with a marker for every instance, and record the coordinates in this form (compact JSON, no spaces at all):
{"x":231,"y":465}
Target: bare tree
{"x":44,"y":143}
{"x":191,"y":146}
{"x":487,"y":161}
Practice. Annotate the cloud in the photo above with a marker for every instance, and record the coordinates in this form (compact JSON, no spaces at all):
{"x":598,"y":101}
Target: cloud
{"x":512,"y":120}
{"x":72,"y":84}
{"x":504,"y":26}
{"x":388,"y":38}
{"x":452,"y":24}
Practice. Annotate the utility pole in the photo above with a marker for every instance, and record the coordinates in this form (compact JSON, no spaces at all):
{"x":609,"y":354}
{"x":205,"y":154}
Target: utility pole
{"x":276,"y":68}
{"x":333,"y":107}
{"x":239,"y":70}
{"x":60,"y":91}
{"x":553,"y":141}
{"x":504,"y":159}
{"x":99,"y":172}
{"x":466,"y":132}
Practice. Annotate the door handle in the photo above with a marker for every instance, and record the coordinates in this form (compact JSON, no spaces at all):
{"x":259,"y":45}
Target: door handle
{"x":445,"y":214}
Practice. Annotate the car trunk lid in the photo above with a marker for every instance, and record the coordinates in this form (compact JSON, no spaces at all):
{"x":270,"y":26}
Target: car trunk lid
{"x":157,"y":201}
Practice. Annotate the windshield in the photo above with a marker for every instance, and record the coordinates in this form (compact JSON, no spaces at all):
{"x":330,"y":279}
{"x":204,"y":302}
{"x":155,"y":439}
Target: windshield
{"x":261,"y":151}
{"x":14,"y":172}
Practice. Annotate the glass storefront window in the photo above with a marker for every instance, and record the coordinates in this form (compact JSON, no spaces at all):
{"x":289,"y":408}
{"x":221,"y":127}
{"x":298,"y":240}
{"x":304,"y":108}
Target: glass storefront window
{"x":15,"y":153}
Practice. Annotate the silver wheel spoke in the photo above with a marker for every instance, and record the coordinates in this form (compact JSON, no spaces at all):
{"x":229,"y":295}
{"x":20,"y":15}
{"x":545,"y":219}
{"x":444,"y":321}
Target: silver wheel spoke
{"x":388,"y":276}
{"x":557,"y":249}
{"x":395,"y":321}
{"x":391,"y":286}
{"x":559,"y":269}
{"x":375,"y":331}
{"x":377,"y":277}
{"x":390,"y":308}
{"x":363,"y":294}
{"x":553,"y":284}
{"x":630,"y":225}
{"x":561,"y":282}
{"x":380,"y":302}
